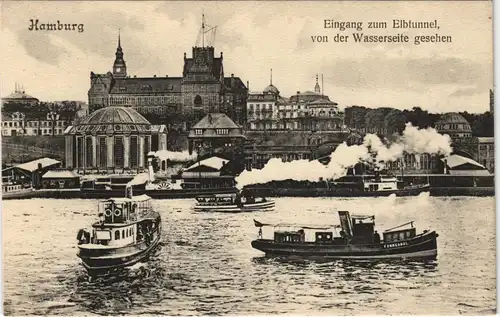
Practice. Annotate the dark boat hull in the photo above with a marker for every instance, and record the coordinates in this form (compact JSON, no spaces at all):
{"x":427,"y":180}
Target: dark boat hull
{"x":250,"y":207}
{"x":157,"y":194}
{"x":117,"y":258}
{"x":420,"y":247}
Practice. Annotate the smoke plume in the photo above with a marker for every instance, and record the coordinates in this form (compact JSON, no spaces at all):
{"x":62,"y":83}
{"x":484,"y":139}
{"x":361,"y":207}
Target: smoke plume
{"x":372,"y":151}
{"x":139,"y":179}
{"x":175,"y":156}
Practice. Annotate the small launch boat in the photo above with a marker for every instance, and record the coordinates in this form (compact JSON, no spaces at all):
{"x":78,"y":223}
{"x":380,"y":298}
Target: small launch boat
{"x":233,"y":202}
{"x":127,"y":231}
{"x":357,"y":240}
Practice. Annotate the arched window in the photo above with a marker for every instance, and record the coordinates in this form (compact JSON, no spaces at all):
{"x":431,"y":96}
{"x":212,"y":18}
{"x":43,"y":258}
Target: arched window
{"x":117,"y":235}
{"x":123,"y":234}
{"x":197,"y":100}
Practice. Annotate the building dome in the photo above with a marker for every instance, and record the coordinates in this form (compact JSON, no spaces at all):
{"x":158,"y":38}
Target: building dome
{"x":272,"y":89}
{"x":455,"y":125}
{"x":115,"y":120}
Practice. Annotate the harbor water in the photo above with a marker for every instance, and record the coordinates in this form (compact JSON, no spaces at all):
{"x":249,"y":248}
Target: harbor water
{"x":205,"y":264}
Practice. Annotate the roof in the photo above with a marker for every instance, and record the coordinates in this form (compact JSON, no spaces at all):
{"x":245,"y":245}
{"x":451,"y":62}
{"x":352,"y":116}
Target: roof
{"x":235,"y":84}
{"x":141,"y":85}
{"x":272,"y":89}
{"x":114,"y":115}
{"x":487,"y":139}
{"x":452,"y":117}
{"x":321,"y":102}
{"x":216,"y":121}
{"x":126,"y":200}
{"x":456,"y":160}
{"x":33,"y":165}
{"x":20,"y":95}
{"x":213,"y":162}
{"x":60,"y":174}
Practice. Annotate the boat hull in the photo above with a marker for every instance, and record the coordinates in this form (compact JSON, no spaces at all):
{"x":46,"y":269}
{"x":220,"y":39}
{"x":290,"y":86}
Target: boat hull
{"x":263,"y":206}
{"x":157,"y":193}
{"x":95,"y":260}
{"x":420,"y":247}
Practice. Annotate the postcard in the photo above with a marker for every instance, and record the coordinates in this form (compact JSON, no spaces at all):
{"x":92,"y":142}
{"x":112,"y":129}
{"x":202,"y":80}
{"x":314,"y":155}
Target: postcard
{"x":248,"y":158}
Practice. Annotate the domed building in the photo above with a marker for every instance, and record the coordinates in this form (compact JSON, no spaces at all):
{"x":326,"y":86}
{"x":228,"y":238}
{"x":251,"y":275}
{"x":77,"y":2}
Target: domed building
{"x":454,"y":125}
{"x":112,"y":139}
{"x":19,"y":96}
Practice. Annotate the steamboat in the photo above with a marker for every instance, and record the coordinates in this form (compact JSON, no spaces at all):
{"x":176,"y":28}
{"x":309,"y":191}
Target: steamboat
{"x":233,"y":203}
{"x":357,"y":241}
{"x":127,"y":231}
{"x":378,"y":186}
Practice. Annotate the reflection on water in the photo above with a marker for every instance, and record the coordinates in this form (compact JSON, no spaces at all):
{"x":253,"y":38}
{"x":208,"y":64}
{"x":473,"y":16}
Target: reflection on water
{"x":205,"y":264}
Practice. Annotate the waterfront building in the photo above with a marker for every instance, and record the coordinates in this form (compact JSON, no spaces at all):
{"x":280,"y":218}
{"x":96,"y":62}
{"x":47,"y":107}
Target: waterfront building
{"x":201,"y":89}
{"x":112,"y":140}
{"x":212,"y":172}
{"x":215,"y":133}
{"x":29,"y":173}
{"x":17,"y":123}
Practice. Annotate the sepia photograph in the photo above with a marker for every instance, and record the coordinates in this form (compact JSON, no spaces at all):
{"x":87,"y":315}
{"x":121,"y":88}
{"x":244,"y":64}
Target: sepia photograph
{"x":198,"y":158}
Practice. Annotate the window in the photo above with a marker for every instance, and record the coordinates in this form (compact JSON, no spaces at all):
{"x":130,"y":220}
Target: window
{"x":118,"y":152}
{"x":117,"y":235}
{"x":123,"y":234}
{"x":198,"y":131}
{"x":222,"y":131}
{"x":134,"y":151}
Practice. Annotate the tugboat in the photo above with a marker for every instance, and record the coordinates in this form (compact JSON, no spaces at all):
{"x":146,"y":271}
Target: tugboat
{"x":127,"y":230}
{"x":232,"y":203}
{"x":356,"y":241}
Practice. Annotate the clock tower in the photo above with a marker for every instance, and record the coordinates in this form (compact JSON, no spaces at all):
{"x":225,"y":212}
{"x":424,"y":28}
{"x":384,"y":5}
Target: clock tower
{"x":119,"y":67}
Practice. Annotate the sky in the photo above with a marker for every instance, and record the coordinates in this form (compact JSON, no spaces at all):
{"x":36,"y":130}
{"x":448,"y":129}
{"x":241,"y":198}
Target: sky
{"x":255,"y":37}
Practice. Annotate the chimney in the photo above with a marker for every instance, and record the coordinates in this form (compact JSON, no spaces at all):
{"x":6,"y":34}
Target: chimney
{"x":445,"y":164}
{"x":185,"y":56}
{"x":298,"y":92}
{"x":248,"y":85}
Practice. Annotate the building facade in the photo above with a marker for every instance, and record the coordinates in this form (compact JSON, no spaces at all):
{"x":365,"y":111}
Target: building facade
{"x":215,"y":133}
{"x":201,"y":89}
{"x":309,"y":110}
{"x":112,"y":140}
{"x":486,"y":153}
{"x":16,"y":124}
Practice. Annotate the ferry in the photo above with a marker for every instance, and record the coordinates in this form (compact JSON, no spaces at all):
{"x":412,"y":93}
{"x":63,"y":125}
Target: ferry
{"x":232,"y":203}
{"x":377,"y":186}
{"x":356,"y":241}
{"x":127,"y":231}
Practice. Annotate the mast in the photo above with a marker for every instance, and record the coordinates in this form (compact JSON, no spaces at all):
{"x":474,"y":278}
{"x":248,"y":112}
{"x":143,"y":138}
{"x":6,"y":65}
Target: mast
{"x":271,"y":77}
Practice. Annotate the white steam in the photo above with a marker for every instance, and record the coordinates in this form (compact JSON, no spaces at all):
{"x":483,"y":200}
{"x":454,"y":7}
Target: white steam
{"x":175,"y":156}
{"x":139,"y":179}
{"x":373,"y":150}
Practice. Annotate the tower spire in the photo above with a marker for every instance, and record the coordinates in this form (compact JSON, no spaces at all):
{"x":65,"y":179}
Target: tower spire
{"x":271,"y":77}
{"x":119,"y":40}
{"x":203,"y":28}
{"x":317,"y":88}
